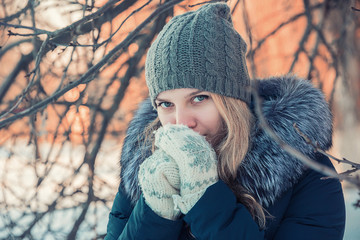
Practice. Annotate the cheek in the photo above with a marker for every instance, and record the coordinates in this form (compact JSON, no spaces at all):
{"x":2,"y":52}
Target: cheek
{"x":212,"y":120}
{"x":216,"y":124}
{"x":164,"y":118}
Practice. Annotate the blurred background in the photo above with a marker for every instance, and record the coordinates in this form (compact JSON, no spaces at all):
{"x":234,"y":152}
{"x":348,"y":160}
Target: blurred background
{"x":72,"y":75}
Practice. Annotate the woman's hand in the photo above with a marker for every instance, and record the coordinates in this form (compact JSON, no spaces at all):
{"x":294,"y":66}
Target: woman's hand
{"x":195,"y":158}
{"x":159,"y":181}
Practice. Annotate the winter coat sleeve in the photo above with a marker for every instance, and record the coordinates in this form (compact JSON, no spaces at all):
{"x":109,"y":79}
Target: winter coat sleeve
{"x":119,"y":215}
{"x":217,"y":215}
{"x":139,"y":222}
{"x":316,"y":209}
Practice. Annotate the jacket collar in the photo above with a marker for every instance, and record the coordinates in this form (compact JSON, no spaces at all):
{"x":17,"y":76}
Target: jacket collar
{"x":267,"y":170}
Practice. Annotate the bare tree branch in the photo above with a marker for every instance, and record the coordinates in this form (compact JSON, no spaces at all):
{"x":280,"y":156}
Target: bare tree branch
{"x":292,"y":19}
{"x":19,"y":13}
{"x":34,"y":72}
{"x":87,"y":77}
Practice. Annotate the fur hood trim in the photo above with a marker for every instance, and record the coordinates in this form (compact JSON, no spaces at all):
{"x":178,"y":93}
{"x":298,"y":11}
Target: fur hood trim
{"x":267,"y":170}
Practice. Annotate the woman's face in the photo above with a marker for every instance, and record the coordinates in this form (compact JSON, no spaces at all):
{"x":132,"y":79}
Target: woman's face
{"x":191,"y":107}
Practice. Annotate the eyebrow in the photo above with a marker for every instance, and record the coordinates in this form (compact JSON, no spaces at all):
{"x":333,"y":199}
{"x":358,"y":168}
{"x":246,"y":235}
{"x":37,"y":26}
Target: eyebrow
{"x":160,"y":100}
{"x":195,"y":93}
{"x":190,"y":95}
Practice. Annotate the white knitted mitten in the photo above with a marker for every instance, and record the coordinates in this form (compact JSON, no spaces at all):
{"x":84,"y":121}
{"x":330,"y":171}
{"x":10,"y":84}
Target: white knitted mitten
{"x":159,"y":180}
{"x":196,"y":160}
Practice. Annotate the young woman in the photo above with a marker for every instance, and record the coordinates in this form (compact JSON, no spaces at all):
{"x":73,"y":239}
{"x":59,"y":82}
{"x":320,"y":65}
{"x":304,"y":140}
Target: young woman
{"x":195,"y":163}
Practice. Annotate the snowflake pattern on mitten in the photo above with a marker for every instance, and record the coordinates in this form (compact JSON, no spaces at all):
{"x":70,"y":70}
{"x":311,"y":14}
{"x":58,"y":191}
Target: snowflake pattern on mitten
{"x":159,"y":180}
{"x":195,"y":158}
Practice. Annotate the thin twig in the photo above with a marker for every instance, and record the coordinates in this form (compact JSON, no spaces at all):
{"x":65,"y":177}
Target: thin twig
{"x":315,"y":50}
{"x":94,"y":15}
{"x":251,"y":54}
{"x":318,"y":149}
{"x":112,"y":34}
{"x":34,"y":72}
{"x":36,"y":31}
{"x":305,"y":36}
{"x":205,"y":2}
{"x":18,"y":14}
{"x":292,"y":19}
{"x":10,"y":46}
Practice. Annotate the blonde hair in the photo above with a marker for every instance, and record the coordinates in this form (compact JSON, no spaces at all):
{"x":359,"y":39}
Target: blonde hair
{"x":231,"y":149}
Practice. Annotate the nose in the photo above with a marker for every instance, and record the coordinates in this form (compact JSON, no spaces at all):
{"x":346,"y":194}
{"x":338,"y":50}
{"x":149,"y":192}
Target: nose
{"x":185,"y":117}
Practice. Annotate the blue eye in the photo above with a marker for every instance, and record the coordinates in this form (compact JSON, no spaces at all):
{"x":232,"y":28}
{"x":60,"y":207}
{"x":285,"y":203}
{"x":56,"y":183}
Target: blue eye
{"x":164,"y":104}
{"x":200,"y":98}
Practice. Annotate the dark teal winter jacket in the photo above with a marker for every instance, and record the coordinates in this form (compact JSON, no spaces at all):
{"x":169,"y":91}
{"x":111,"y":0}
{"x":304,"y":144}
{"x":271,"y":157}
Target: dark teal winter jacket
{"x":300,"y":204}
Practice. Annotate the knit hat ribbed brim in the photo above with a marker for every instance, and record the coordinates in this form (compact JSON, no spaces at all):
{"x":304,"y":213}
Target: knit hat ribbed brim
{"x":202,"y":50}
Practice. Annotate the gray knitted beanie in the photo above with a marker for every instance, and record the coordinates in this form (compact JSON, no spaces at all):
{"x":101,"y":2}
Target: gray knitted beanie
{"x":199,"y":49}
